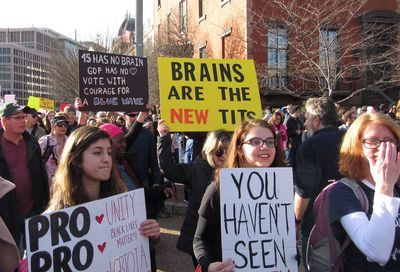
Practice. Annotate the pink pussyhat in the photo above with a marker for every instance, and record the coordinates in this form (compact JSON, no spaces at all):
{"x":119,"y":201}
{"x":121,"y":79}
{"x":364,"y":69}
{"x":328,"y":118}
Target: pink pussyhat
{"x":112,"y":130}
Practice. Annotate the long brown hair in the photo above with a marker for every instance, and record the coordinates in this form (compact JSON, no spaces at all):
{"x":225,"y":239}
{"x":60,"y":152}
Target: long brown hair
{"x":67,"y":189}
{"x":352,"y":162}
{"x":235,"y":157}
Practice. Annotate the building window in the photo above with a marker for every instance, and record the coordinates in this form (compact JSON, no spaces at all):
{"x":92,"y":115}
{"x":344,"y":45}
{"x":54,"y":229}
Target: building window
{"x":202,"y":52}
{"x":202,"y":8}
{"x":183,"y":20}
{"x":14,"y":36}
{"x":277,"y":57}
{"x":3,"y":36}
{"x":27,"y":36}
{"x":328,"y":49}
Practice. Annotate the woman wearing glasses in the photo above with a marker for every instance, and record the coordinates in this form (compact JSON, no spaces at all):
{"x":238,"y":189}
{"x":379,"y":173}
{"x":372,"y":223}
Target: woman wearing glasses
{"x":197,"y":175}
{"x":52,"y":145}
{"x":254,"y":144}
{"x":370,"y":156}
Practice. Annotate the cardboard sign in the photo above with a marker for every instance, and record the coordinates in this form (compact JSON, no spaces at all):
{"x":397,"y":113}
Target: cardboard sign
{"x":109,"y":82}
{"x":207,"y":94}
{"x":257,"y":219}
{"x":9,"y":98}
{"x":40,"y":103}
{"x":45,"y":103}
{"x":97,"y":236}
{"x":33,"y":102}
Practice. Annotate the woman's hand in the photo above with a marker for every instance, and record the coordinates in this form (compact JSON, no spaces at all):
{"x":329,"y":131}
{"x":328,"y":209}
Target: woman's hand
{"x":150,"y":228}
{"x":162,"y":128}
{"x":226,"y":266}
{"x":385,"y":168}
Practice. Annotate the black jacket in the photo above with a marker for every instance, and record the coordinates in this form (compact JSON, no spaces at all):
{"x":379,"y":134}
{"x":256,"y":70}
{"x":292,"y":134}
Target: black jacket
{"x":198,"y":175}
{"x":317,"y":162}
{"x":40,"y":185}
{"x":291,"y":126}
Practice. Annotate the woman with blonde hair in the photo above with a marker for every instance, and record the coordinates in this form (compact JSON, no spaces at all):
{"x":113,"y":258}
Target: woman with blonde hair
{"x":86,"y":173}
{"x":197,"y":175}
{"x":370,"y":156}
{"x":254,"y":144}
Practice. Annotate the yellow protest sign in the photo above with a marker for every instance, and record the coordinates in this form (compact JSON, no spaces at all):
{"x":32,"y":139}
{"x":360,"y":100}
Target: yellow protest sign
{"x":33,"y":102}
{"x":207,"y":94}
{"x":45,"y":103}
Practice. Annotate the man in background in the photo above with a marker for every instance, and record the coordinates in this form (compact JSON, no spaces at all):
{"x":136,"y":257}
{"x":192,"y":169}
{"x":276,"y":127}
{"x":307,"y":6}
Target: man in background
{"x":20,"y":163}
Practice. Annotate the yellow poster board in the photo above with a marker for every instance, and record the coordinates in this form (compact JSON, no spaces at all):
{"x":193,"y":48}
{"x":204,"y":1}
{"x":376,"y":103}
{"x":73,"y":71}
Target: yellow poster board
{"x":40,"y":103}
{"x":33,"y":102}
{"x":207,"y":94}
{"x":45,"y":103}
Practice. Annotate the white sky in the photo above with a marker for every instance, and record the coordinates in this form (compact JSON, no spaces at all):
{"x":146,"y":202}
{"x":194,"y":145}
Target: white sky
{"x":88,"y":17}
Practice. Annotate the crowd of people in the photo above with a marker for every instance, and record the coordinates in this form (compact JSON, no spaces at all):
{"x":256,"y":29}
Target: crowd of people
{"x":56,"y":160}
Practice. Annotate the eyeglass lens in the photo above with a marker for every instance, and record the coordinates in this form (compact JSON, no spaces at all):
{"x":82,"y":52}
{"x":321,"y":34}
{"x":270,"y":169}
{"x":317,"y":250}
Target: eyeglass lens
{"x":375,"y":142}
{"x":270,"y":142}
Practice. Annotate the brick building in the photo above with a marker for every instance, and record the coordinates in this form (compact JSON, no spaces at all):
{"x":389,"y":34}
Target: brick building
{"x":296,"y":54}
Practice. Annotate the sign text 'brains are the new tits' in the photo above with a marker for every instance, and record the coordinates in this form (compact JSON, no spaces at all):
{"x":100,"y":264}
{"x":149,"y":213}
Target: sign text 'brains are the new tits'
{"x":207,"y":94}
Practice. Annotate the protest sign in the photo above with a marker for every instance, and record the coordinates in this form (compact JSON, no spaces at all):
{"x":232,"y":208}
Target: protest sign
{"x":207,"y":94}
{"x":110,"y":82}
{"x":46,"y":103}
{"x":257,"y":219}
{"x":40,"y":103}
{"x":33,"y":102}
{"x":9,"y":98}
{"x":101,"y":235}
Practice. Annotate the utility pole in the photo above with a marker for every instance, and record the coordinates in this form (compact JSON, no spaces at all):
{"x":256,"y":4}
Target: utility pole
{"x":139,"y":28}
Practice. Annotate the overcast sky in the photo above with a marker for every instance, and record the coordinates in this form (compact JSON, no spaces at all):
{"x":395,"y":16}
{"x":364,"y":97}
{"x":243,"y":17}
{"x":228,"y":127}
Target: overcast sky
{"x":87,"y":17}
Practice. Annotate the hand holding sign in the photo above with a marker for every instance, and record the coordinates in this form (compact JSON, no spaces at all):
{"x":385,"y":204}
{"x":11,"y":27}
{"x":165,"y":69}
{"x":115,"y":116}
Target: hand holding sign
{"x":162,"y":128}
{"x":150,"y":228}
{"x":226,"y":266}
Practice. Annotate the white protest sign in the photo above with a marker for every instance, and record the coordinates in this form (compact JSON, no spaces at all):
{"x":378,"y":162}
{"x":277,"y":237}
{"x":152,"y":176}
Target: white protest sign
{"x":9,"y":98}
{"x":257,"y":219}
{"x":98,"y":236}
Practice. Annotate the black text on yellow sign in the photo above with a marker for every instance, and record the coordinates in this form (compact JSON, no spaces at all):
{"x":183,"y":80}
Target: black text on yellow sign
{"x":202,"y":95}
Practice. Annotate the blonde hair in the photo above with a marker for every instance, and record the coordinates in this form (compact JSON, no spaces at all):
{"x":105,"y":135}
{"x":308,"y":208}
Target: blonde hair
{"x":214,"y":140}
{"x":67,"y":188}
{"x":352,"y":162}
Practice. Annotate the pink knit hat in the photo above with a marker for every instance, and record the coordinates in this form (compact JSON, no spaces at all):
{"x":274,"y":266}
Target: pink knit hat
{"x":111,"y":129}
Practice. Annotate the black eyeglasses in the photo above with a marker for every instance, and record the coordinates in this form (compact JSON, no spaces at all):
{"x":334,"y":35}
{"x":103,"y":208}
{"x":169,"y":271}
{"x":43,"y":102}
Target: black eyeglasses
{"x":375,"y":142}
{"x":219,"y":153}
{"x":61,"y":124}
{"x":132,"y":114}
{"x":270,"y":142}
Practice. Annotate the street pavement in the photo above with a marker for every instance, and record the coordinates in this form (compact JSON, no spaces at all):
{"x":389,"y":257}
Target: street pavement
{"x":168,"y":258}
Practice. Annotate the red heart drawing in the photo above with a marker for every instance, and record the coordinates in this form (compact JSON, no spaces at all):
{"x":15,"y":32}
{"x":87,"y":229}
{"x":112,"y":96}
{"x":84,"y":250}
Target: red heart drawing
{"x":133,"y":71}
{"x":99,"y":218}
{"x":102,"y":247}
